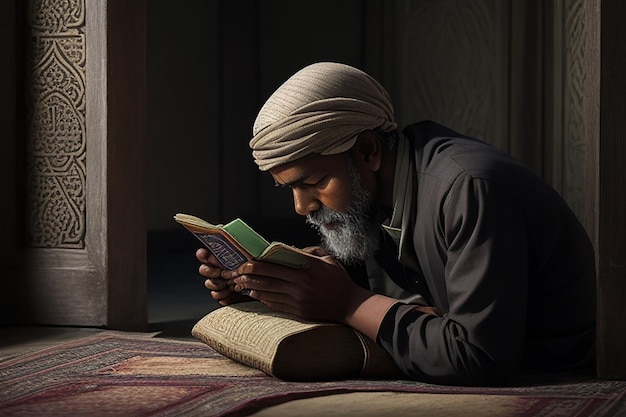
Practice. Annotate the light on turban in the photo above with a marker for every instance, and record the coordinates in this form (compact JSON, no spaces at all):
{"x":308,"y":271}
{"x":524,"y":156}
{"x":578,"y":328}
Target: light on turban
{"x":320,"y":109}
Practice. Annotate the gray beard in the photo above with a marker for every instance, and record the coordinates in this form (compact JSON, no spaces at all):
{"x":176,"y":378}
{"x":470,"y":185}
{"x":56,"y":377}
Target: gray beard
{"x":353,"y":236}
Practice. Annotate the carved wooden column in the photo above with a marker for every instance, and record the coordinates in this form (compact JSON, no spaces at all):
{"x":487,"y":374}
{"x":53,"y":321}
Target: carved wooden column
{"x":567,"y":94}
{"x":55,"y":135}
{"x":587,"y":126}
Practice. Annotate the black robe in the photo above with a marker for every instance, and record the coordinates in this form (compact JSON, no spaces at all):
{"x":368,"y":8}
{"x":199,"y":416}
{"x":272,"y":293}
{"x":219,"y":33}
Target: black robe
{"x":500,"y":255}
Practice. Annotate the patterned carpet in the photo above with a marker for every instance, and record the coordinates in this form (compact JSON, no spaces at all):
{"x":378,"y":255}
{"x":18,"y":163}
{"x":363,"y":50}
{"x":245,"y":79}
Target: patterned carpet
{"x":113,"y":373}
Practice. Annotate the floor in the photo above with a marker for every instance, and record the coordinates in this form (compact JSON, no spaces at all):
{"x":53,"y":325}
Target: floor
{"x":176,"y":299}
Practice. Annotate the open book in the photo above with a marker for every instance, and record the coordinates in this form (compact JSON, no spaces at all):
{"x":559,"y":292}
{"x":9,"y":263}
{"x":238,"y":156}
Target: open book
{"x":290,"y":348}
{"x":236,"y":242}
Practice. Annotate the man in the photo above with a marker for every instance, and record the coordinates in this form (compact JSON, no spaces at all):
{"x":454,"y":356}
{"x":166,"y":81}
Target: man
{"x":474,"y":268}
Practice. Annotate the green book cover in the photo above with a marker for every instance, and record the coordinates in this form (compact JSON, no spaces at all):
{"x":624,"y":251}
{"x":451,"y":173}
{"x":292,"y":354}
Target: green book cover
{"x":253,"y":242}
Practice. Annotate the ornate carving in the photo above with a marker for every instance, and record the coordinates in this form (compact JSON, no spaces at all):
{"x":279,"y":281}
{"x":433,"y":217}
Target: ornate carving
{"x":453,"y":64}
{"x":56,"y":125}
{"x":56,"y":17}
{"x":574,"y":140}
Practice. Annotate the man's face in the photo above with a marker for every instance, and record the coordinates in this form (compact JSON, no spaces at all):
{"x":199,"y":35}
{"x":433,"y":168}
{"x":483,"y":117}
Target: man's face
{"x":327,"y":190}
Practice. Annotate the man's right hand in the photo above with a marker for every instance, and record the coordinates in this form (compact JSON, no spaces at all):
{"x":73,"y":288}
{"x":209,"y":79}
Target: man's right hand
{"x":221,"y":289}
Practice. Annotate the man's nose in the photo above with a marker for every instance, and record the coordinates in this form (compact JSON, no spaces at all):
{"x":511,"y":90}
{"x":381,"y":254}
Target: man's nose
{"x":304,"y":203}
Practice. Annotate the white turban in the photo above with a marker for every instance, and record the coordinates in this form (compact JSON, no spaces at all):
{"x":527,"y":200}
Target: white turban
{"x":321,"y":109}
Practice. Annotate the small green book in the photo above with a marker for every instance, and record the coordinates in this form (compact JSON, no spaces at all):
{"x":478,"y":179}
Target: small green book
{"x":235,"y":243}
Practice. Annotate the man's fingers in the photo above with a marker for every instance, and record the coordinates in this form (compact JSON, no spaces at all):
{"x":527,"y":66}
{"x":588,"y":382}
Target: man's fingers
{"x":216,"y":284}
{"x":264,"y":288}
{"x":209,"y":271}
{"x":273,"y":299}
{"x":203,"y":255}
{"x":220,"y":295}
{"x":261,"y":283}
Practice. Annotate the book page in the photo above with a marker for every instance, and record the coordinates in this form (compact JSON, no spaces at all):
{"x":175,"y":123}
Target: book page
{"x":283,"y":254}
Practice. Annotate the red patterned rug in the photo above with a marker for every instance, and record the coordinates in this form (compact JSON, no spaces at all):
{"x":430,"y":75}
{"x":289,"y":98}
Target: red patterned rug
{"x":117,"y":374}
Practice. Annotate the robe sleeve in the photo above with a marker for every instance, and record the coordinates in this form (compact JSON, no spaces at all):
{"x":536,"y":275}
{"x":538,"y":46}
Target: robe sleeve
{"x":483,"y":249}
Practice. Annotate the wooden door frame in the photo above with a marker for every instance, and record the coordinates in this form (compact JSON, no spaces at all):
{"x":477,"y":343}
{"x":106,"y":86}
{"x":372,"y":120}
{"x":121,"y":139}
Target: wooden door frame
{"x":103,"y":284}
{"x":606,"y":111}
{"x":116,"y":128}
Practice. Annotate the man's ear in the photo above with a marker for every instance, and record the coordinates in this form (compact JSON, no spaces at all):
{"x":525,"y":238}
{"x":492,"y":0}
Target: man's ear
{"x":367,"y":150}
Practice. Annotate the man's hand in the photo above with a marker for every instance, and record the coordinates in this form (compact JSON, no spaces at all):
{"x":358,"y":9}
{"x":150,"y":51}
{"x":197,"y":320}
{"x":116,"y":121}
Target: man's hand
{"x":321,"y":290}
{"x":221,"y":289}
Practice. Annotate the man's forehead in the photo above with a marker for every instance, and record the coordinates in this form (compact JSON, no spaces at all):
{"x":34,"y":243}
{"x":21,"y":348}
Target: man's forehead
{"x":299,"y":170}
{"x":291,"y":173}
